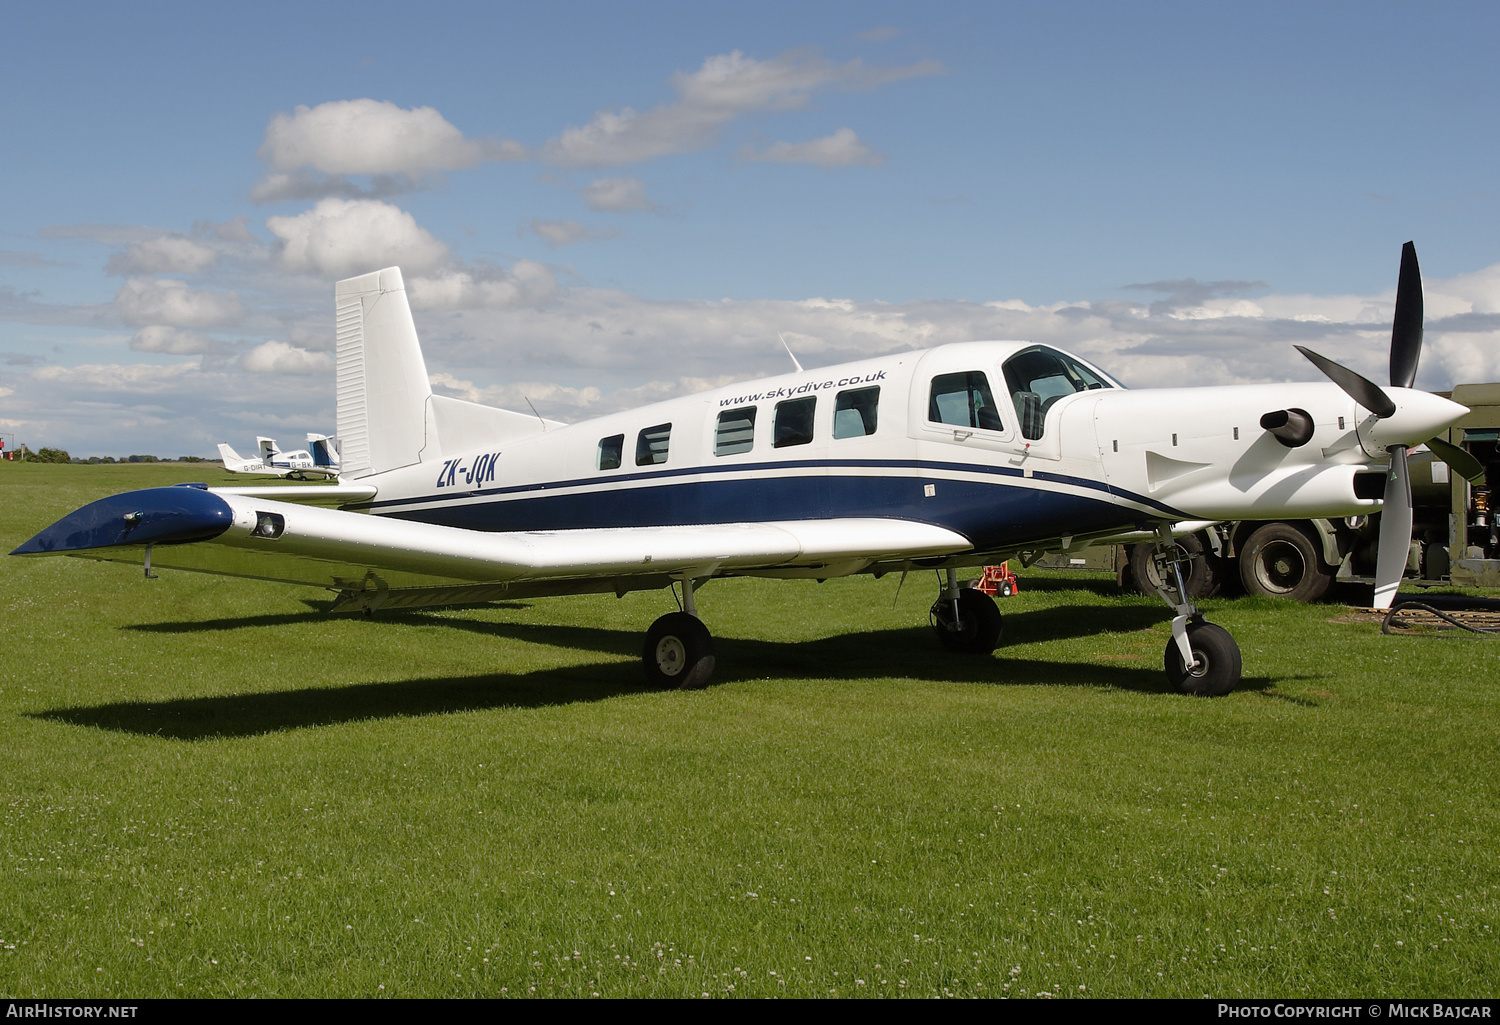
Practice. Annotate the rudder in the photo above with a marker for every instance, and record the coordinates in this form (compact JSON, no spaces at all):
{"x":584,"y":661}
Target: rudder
{"x":382,"y":386}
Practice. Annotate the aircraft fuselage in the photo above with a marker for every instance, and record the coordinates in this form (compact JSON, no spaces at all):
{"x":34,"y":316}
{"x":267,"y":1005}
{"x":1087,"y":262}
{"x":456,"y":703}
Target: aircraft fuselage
{"x":880,"y":435}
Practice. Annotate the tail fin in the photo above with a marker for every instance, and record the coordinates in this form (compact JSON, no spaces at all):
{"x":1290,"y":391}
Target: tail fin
{"x":232,"y":459}
{"x":267,"y":449}
{"x":382,"y":387}
{"x":324,"y":450}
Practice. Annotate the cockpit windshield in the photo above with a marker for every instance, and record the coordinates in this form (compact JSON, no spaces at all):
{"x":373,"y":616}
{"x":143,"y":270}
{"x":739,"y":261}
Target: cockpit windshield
{"x":1038,"y":377}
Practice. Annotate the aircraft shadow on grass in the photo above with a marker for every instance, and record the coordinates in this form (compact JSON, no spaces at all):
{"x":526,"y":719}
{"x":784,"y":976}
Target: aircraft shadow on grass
{"x":910,"y":653}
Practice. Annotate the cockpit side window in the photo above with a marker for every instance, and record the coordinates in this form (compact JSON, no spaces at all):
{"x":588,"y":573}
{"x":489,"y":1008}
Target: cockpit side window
{"x":1040,"y":376}
{"x":963,"y":400}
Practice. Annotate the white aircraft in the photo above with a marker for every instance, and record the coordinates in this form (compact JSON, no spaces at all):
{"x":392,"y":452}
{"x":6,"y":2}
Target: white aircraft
{"x":946,"y":458}
{"x":321,"y":461}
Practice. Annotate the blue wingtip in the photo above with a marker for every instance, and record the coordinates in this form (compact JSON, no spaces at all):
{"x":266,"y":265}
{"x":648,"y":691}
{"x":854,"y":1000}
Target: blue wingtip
{"x":162,"y":516}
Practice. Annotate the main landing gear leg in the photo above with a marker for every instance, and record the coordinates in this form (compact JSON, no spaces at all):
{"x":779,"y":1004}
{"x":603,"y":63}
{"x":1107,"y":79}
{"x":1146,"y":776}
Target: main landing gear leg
{"x":679,"y":650}
{"x":965,"y":619}
{"x":1201,"y":658}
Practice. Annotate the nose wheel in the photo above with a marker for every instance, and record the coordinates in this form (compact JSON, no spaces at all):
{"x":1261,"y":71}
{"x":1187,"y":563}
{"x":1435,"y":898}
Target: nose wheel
{"x":1201,"y":658}
{"x":1216,"y":661}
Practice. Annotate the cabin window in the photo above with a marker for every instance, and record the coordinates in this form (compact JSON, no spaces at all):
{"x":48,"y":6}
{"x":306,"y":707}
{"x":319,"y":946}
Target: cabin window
{"x":735,"y":431}
{"x":610,"y":450}
{"x":854,"y":412}
{"x":963,"y":400}
{"x":1039,"y":377}
{"x":794,"y":422}
{"x":651,"y":445}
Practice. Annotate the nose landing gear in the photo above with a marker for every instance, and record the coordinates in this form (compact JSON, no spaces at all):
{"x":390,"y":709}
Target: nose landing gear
{"x":1201,"y":658}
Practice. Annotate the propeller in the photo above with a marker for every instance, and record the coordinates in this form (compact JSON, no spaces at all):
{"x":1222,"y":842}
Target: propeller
{"x":1406,"y":350}
{"x":1462,"y":462}
{"x":1396,"y":511}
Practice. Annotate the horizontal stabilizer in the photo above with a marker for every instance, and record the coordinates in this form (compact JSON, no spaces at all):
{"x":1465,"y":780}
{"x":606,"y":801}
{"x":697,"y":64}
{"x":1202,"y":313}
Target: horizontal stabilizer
{"x":461,"y":426}
{"x":329,"y":496}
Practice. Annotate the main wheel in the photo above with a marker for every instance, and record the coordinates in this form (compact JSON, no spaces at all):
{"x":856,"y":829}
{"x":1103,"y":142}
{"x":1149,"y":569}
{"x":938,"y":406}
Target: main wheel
{"x":1217,"y":671}
{"x":977,"y":630}
{"x":1280,"y":561}
{"x":1200,"y":577}
{"x":679,"y":652}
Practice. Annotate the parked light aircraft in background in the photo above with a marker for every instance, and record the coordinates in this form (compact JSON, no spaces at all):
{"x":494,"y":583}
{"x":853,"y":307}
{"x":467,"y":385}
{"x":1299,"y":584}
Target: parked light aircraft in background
{"x":951,"y":457}
{"x":321,"y":461}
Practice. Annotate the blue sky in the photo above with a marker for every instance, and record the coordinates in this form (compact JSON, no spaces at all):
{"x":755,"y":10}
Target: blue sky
{"x":1179,"y":191}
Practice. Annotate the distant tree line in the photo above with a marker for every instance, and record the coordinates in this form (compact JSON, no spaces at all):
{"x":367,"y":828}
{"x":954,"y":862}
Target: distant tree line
{"x":57,"y":455}
{"x":140,"y":459}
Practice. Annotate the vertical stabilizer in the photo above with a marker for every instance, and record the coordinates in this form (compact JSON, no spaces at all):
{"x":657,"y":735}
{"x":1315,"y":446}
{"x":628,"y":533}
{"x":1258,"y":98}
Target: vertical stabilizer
{"x":267,"y":448}
{"x":382,"y":384}
{"x":325,"y":453}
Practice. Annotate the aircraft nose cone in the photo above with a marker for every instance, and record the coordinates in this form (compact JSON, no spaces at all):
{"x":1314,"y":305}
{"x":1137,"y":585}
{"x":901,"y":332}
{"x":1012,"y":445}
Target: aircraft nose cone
{"x":153,"y":516}
{"x":1419,"y":415}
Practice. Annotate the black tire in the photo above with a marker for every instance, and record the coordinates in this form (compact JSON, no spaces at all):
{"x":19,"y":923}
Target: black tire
{"x":977,"y":631}
{"x":679,"y":652}
{"x":1201,"y":579}
{"x":1279,"y":560}
{"x":1006,"y":590}
{"x":1218,"y":657}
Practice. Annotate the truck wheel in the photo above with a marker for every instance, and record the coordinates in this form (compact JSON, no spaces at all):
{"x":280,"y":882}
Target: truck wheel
{"x":1280,"y":561}
{"x":1201,"y":579}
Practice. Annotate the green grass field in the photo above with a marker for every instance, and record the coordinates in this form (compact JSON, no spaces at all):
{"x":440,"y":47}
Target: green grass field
{"x":212,"y":789}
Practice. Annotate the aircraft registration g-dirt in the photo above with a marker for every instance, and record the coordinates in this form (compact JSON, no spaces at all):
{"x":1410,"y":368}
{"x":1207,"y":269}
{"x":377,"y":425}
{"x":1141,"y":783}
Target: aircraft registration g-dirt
{"x":321,"y":461}
{"x":956,"y":456}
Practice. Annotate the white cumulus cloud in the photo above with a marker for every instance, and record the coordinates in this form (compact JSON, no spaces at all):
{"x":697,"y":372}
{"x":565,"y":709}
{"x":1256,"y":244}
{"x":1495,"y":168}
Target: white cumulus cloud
{"x":725,"y":87}
{"x":341,"y":237}
{"x":175,"y":340}
{"x":166,"y":254}
{"x":313,"y":150}
{"x":565,"y":233}
{"x":146,"y":301}
{"x":841,"y":149}
{"x":273,"y":357}
{"x":374,"y":137}
{"x":527,"y":283}
{"x":616,"y":195}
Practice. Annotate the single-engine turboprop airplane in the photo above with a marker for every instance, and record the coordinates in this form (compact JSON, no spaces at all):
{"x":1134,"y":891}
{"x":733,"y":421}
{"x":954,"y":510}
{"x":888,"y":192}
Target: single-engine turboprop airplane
{"x":951,"y":457}
{"x":321,"y":461}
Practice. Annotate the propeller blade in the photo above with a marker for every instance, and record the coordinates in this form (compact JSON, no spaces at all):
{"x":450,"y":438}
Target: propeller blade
{"x":1361,"y":389}
{"x":1464,"y":464}
{"x":1406,"y":331}
{"x":1395,"y":530}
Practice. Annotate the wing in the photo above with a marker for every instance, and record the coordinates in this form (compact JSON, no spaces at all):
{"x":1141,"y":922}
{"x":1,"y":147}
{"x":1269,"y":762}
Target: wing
{"x":377,"y":561}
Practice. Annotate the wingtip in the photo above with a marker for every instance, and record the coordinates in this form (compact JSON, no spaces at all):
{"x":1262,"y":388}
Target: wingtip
{"x":173,"y":515}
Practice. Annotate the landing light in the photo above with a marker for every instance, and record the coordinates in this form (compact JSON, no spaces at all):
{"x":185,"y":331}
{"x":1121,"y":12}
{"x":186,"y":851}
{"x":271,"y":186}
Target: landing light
{"x":270,"y":525}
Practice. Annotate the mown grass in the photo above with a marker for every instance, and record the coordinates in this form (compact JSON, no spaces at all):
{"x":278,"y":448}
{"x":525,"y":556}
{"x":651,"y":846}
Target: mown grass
{"x":213,"y":789}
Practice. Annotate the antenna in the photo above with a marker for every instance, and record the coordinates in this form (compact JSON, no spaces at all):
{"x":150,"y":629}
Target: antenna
{"x":535,"y":413}
{"x":788,"y":349}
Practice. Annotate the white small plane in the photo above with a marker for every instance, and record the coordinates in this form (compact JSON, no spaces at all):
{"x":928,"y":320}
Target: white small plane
{"x":946,"y":458}
{"x":321,"y":461}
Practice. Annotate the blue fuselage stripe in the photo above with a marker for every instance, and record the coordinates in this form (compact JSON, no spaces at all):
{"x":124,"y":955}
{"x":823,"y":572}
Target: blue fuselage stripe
{"x":991,"y":513}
